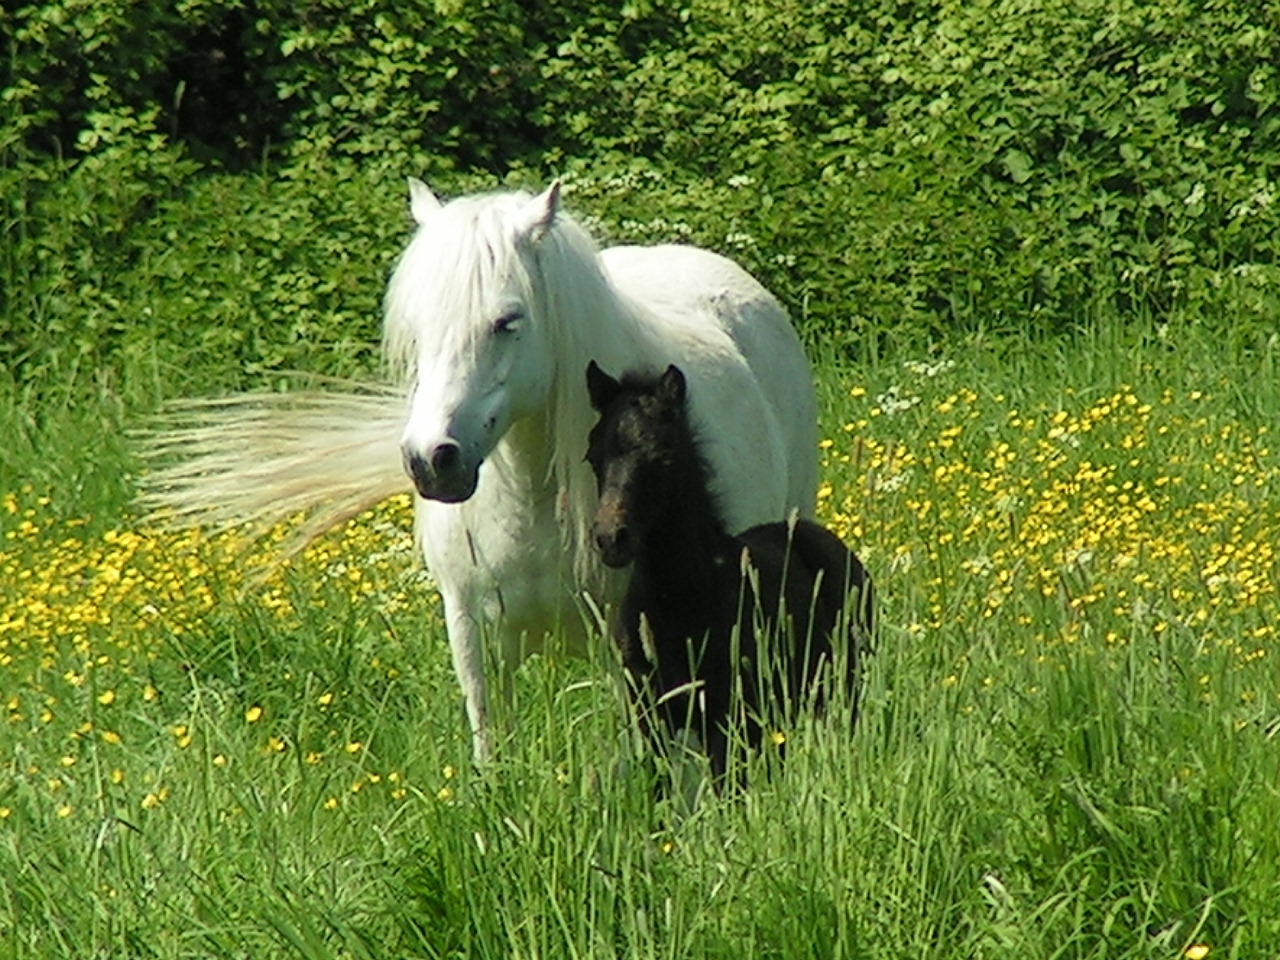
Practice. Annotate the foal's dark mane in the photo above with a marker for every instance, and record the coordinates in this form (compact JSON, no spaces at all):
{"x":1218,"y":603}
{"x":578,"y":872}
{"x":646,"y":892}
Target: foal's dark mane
{"x":693,"y":521}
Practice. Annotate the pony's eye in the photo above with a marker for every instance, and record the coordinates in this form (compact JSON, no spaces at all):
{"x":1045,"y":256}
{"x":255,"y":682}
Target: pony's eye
{"x":508,"y":322}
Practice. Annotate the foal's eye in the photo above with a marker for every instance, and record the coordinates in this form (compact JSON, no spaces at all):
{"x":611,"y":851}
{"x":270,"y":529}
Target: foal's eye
{"x":508,"y":323}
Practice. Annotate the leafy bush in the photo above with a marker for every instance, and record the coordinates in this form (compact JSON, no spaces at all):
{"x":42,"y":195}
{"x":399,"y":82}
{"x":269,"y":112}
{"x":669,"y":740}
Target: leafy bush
{"x":199,"y":71}
{"x":891,"y":171}
{"x":437,"y":84}
{"x":994,"y":162}
{"x":228,"y":276}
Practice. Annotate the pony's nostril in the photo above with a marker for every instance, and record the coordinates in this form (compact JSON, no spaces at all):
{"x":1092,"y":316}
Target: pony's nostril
{"x":415,"y":468}
{"x":445,"y":457}
{"x":438,"y":473}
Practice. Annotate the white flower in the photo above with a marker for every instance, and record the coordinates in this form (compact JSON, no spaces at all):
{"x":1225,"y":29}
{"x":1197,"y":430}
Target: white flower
{"x":891,"y":483}
{"x":1262,"y":197}
{"x":895,"y":400}
{"x":930,"y":370}
{"x":979,"y":565}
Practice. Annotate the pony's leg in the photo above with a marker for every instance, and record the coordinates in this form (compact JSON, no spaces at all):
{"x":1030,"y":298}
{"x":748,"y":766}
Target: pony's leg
{"x":467,"y":651}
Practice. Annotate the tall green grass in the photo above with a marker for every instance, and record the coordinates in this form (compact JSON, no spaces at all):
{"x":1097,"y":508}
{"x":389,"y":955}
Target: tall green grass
{"x":1042,"y":768}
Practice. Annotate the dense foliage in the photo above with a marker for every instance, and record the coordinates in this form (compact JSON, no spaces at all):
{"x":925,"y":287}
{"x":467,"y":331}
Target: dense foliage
{"x":227,"y":177}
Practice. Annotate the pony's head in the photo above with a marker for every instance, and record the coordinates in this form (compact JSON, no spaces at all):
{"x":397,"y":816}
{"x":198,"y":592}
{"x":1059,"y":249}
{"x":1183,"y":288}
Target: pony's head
{"x":637,"y":451}
{"x":463,"y":325}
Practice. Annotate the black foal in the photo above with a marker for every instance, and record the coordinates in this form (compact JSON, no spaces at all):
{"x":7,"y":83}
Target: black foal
{"x":700,"y":599}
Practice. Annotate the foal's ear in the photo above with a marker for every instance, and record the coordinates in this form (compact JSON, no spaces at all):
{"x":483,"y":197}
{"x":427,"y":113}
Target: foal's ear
{"x":540,"y":213}
{"x":422,"y":202}
{"x":672,"y":387}
{"x":601,"y":387}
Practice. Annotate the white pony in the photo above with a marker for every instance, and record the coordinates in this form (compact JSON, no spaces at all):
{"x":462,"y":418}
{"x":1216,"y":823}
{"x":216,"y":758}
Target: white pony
{"x":493,"y":313}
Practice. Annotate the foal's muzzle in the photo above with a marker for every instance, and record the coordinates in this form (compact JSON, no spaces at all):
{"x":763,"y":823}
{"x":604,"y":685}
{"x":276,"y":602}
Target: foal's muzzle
{"x":616,"y":545}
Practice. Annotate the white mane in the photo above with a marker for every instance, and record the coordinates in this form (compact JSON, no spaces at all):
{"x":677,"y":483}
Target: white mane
{"x":447,"y":273}
{"x":469,"y":250}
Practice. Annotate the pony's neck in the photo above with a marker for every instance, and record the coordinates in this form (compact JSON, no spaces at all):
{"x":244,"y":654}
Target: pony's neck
{"x":525,"y":454}
{"x":594,"y":320}
{"x":589,"y":319}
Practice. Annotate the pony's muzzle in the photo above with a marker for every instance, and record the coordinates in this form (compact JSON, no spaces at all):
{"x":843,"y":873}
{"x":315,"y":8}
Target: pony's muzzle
{"x":440,"y":474}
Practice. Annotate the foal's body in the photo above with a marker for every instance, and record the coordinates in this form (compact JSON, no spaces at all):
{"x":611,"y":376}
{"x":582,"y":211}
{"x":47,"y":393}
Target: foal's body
{"x":699,"y":599}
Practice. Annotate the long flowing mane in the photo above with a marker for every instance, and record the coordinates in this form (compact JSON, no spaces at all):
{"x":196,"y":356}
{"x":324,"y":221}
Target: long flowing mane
{"x":473,"y":248}
{"x":589,"y":319}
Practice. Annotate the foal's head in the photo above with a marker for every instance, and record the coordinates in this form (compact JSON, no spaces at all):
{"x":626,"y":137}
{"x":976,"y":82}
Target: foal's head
{"x":636,"y":450}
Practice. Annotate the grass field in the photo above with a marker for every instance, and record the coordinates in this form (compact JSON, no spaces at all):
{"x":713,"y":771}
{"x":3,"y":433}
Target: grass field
{"x":1069,"y":747}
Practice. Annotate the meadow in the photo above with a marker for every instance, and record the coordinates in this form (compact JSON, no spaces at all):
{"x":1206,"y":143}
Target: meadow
{"x":1069,"y":744}
{"x":1035,"y":261}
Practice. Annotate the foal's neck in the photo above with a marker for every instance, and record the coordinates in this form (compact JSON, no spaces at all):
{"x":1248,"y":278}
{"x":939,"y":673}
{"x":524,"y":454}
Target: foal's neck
{"x":686,"y":540}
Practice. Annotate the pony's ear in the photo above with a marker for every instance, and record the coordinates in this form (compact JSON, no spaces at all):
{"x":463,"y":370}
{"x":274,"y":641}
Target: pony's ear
{"x":540,"y":213}
{"x":601,"y":387}
{"x":672,"y":387}
{"x":422,"y":202}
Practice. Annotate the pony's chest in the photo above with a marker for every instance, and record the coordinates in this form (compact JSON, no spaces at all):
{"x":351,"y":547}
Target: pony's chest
{"x":500,"y":536}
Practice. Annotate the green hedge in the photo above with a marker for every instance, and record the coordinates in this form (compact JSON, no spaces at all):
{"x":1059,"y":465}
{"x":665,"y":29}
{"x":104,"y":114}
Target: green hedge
{"x":444,"y":83}
{"x":1011,"y":163}
{"x":894,"y":170}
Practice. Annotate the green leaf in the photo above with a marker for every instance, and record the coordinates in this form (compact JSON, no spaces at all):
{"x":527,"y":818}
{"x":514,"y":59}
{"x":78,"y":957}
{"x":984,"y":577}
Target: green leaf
{"x":1018,"y":165}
